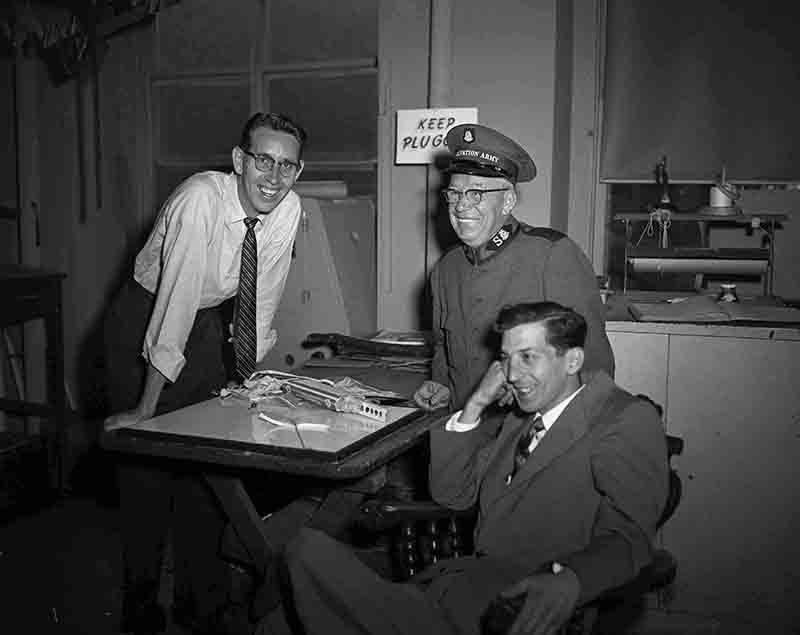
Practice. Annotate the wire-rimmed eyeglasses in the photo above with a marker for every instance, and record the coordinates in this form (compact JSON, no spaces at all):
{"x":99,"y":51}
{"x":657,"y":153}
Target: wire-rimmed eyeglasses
{"x":473,"y":197}
{"x":266,"y":163}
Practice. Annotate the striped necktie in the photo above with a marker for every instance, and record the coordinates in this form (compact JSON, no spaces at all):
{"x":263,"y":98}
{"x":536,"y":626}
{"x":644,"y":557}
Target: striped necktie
{"x":533,"y":427}
{"x":245,"y":342}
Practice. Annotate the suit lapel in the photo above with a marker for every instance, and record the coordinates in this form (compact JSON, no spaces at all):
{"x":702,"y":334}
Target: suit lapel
{"x":570,"y":426}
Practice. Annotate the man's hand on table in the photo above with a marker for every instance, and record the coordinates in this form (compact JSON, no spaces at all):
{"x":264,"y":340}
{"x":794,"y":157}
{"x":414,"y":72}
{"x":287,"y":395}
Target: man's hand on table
{"x":432,"y":395}
{"x":123,"y":419}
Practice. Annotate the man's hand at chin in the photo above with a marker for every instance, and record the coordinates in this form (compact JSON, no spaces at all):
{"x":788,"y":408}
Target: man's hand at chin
{"x":493,"y":387}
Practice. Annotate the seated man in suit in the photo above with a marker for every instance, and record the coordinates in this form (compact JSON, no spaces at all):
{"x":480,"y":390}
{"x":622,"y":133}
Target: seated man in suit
{"x":568,"y":493}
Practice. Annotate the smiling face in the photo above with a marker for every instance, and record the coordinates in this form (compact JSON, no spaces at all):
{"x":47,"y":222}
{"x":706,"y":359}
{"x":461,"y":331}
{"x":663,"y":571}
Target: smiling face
{"x":539,"y":376}
{"x":261,"y":192}
{"x":476,"y":224}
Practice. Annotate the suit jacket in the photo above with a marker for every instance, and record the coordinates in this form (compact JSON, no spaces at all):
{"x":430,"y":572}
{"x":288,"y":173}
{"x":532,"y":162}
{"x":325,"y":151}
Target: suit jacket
{"x":589,"y":496}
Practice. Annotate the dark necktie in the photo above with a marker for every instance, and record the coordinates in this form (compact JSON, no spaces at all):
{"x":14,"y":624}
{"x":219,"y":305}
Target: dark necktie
{"x":532,"y":427}
{"x":245,"y":342}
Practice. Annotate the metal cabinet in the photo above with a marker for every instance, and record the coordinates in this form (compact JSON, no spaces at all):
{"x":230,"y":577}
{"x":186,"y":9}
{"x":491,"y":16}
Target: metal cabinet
{"x":731,"y":393}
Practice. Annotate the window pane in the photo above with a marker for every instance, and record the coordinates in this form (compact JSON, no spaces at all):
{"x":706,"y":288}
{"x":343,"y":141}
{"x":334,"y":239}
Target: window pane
{"x":345,"y":128}
{"x":203,"y":35}
{"x":330,"y":30}
{"x":708,"y":84}
{"x":200,"y":120}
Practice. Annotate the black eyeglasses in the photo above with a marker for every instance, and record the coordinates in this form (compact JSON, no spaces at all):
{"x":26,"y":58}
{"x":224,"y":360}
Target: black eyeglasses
{"x":474,"y":197}
{"x":266,"y":163}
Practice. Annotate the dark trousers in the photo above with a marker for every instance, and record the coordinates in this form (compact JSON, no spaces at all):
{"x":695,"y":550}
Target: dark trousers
{"x":155,"y":496}
{"x":333,"y":591}
{"x":124,"y":331}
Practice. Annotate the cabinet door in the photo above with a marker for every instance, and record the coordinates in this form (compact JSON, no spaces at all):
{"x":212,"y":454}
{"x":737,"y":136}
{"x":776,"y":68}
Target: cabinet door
{"x":641,"y":363}
{"x":735,"y":533}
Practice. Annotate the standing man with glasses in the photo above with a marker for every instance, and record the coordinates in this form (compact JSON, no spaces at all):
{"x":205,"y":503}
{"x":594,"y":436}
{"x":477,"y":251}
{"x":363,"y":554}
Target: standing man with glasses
{"x":218,"y":236}
{"x":501,"y":261}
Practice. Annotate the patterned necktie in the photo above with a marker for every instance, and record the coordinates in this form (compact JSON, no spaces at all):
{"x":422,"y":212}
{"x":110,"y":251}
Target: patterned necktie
{"x":245,"y":342}
{"x":533,"y":427}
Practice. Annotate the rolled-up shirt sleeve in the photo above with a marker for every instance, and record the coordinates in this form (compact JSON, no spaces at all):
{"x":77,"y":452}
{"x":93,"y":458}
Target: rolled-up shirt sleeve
{"x":184,"y":255}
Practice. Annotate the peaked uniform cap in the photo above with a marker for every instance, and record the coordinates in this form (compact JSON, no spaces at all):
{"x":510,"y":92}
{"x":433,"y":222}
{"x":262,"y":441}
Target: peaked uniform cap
{"x":482,"y":151}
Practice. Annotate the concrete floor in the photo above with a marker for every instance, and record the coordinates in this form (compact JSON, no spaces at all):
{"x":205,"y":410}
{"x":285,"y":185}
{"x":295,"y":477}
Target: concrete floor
{"x":60,"y":573}
{"x":60,"y":570}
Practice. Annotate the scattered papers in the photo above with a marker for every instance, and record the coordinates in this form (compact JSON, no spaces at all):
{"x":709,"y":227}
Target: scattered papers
{"x":345,"y":395}
{"x":406,"y":338}
{"x":703,"y":308}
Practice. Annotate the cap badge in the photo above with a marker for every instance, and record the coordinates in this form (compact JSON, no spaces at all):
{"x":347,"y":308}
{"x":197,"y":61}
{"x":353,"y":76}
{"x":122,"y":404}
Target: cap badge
{"x":469,"y":135}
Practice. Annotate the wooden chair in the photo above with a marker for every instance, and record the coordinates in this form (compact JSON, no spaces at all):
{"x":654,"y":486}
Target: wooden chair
{"x":416,"y":533}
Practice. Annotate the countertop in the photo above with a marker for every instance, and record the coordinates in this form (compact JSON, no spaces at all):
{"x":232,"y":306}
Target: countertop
{"x":619,"y":319}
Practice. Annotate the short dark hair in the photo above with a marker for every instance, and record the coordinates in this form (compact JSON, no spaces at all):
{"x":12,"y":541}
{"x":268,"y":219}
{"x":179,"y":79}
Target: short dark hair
{"x":275,"y":121}
{"x":565,"y":327}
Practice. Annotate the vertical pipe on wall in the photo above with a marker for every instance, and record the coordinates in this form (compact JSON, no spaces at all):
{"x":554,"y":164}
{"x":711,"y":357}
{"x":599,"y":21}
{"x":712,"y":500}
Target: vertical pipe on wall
{"x":439,"y":70}
{"x":441,"y":53}
{"x":26,"y":107}
{"x":600,"y":194}
{"x":87,"y":124}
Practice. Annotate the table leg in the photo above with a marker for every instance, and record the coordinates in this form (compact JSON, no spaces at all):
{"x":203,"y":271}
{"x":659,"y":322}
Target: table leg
{"x":54,"y":331}
{"x":335,"y":514}
{"x":771,"y":265}
{"x":244,"y":518}
{"x":705,"y":241}
{"x":625,"y":257}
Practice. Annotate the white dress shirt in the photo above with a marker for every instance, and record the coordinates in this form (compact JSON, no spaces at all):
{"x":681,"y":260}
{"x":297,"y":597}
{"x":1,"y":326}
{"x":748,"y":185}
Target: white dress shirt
{"x":548,"y":419}
{"x":192,"y":258}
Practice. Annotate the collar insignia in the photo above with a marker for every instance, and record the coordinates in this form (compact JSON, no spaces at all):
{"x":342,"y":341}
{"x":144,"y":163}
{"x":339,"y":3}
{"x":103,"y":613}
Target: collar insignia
{"x":500,"y":237}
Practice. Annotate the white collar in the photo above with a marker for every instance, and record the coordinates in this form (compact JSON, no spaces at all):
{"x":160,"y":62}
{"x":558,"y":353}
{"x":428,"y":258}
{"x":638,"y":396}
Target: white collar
{"x":549,"y":417}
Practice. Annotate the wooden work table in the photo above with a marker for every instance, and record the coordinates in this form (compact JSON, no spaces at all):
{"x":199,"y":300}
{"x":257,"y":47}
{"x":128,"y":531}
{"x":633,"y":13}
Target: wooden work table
{"x":29,"y":294}
{"x":221,"y":433}
{"x":221,"y":440}
{"x":185,"y":435}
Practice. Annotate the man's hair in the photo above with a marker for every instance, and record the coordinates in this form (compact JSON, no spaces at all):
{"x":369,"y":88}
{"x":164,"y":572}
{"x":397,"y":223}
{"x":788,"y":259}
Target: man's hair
{"x":565,"y":328}
{"x":275,"y":121}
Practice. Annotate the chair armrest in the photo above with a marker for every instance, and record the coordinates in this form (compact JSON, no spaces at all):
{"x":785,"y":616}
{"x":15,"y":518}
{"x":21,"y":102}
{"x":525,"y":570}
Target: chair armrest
{"x":379,"y":514}
{"x":674,"y":445}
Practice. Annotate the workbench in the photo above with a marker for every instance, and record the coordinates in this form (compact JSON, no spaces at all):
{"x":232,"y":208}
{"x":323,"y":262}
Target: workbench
{"x":29,"y":294}
{"x":702,"y":259}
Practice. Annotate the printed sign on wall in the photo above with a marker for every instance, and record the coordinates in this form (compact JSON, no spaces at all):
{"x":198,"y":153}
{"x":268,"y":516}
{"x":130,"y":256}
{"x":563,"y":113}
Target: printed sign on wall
{"x":421,"y":131}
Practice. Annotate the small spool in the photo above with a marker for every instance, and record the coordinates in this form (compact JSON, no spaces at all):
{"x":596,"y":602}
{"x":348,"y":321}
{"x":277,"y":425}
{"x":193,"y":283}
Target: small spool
{"x":727,"y":293}
{"x":723,"y":195}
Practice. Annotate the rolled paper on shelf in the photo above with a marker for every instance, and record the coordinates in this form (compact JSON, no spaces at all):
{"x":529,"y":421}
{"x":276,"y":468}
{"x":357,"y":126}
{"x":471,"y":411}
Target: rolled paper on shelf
{"x":321,"y":189}
{"x":699,"y":265}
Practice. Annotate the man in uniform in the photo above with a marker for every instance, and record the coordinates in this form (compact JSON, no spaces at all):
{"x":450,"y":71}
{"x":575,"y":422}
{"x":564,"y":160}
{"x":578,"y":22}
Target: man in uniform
{"x":501,"y":261}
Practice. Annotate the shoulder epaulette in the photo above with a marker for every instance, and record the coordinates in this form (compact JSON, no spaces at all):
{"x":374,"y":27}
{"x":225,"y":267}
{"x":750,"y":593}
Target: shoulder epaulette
{"x":548,"y":233}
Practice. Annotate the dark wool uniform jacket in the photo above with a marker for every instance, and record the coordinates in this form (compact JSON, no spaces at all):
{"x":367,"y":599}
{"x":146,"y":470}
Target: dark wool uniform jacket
{"x":532,"y":264}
